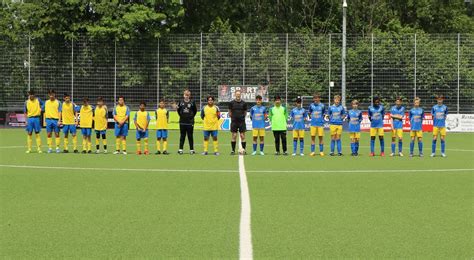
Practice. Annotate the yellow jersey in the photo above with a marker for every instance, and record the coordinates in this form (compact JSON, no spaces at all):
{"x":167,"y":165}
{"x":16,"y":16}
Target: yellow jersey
{"x":51,"y":109}
{"x":121,"y":112}
{"x":68,"y":113}
{"x":86,"y":116}
{"x":162,"y":115}
{"x":210,"y":116}
{"x":100,"y":118}
{"x":141,"y":119}
{"x":33,"y":107}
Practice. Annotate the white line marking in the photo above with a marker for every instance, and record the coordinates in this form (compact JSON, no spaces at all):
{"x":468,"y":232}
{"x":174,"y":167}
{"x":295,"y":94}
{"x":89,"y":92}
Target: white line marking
{"x":245,"y":248}
{"x":362,"y":171}
{"x":109,"y":169}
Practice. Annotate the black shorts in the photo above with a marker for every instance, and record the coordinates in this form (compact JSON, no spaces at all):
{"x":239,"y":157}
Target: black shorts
{"x":238,"y":126}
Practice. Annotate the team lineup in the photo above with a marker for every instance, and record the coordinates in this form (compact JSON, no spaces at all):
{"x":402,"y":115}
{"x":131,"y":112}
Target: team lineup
{"x":90,"y":117}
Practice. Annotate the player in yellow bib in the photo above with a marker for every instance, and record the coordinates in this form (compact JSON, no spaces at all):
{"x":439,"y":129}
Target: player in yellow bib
{"x":100,"y":124}
{"x":210,"y":115}
{"x":69,"y":122}
{"x":141,"y":121}
{"x":32,"y":112}
{"x":52,"y":113}
{"x":162,"y":116}
{"x":121,"y":114}
{"x":86,"y":117}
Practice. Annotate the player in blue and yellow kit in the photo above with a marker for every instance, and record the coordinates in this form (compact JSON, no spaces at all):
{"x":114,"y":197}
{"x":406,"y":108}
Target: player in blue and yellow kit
{"x":416,"y":116}
{"x":258,"y":114}
{"x":52,"y":113}
{"x":298,"y":117}
{"x":397,"y":113}
{"x":210,"y":115}
{"x":439,"y":112}
{"x":141,"y":121}
{"x":69,"y":122}
{"x":162,"y":117}
{"x":336,"y":114}
{"x":100,"y":124}
{"x":376,"y":114}
{"x":121,"y":114}
{"x":355,"y":118}
{"x":316,"y":112}
{"x":86,"y":116}
{"x":32,"y":112}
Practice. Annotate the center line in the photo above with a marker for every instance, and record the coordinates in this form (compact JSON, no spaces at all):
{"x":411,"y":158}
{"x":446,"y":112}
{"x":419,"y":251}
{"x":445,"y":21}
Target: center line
{"x":245,"y":248}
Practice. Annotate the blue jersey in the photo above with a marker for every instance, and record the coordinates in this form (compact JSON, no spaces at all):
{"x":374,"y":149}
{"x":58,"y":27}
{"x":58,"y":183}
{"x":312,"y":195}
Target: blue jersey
{"x":317,"y":112}
{"x":397,"y":111}
{"x":417,"y":114}
{"x":298,"y":115}
{"x":257,"y":114}
{"x":376,"y":114}
{"x":439,"y":115}
{"x":355,"y":117}
{"x":336,"y":114}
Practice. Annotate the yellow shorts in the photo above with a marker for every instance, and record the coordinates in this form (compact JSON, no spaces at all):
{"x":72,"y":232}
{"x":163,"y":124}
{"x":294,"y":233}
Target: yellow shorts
{"x":354,"y":135}
{"x":440,"y":130}
{"x":258,"y":132}
{"x":376,"y":131}
{"x":397,"y":133}
{"x":335,"y":129}
{"x":317,"y":130}
{"x":418,"y":133}
{"x":298,"y":134}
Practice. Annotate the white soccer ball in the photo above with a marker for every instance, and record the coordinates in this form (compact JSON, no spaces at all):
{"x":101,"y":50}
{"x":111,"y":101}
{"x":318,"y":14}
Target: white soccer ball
{"x":241,"y":151}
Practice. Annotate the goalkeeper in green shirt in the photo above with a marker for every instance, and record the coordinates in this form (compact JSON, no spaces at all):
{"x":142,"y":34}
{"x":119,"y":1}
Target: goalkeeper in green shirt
{"x":278,"y":118}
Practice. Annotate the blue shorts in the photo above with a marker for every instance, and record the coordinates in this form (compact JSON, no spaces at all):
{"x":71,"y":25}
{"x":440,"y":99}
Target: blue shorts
{"x":69,"y":129}
{"x":212,"y":133}
{"x":121,"y":131}
{"x":100,"y":132}
{"x":33,"y":124}
{"x":52,"y":125}
{"x":86,"y":131}
{"x":141,"y":134}
{"x":161,"y":133}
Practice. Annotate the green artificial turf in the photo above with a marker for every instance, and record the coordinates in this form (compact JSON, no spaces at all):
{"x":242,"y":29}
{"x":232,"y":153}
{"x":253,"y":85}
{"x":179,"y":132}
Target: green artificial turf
{"x":91,"y":206}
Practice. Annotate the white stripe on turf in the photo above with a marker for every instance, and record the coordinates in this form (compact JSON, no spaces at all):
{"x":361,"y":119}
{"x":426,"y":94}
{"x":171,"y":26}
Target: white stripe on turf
{"x":362,"y":171}
{"x":109,"y":169}
{"x":245,"y":241}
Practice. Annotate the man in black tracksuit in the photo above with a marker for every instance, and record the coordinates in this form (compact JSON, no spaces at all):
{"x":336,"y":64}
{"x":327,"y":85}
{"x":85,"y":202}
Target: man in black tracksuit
{"x":187,"y":111}
{"x":237,"y":113}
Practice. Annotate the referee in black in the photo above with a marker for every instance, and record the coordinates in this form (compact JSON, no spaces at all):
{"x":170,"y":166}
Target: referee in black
{"x":237,"y":113}
{"x":187,"y":111}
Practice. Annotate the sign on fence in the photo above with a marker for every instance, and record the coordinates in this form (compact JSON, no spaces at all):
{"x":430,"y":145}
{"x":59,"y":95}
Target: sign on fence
{"x":460,"y":123}
{"x":249,"y":92}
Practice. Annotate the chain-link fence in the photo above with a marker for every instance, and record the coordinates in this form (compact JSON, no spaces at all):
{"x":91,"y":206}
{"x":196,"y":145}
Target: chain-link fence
{"x":386,"y":65}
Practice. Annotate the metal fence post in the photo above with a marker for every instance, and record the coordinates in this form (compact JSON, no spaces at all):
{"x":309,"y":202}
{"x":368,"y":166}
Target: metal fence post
{"x":29,"y":62}
{"x":243,"y":61}
{"x":329,"y":69}
{"x":115,"y":71}
{"x":72,"y":69}
{"x":459,"y":73}
{"x":414,"y":89}
{"x":372,"y":70}
{"x":286,"y":70}
{"x":158,"y":72}
{"x":200,"y":75}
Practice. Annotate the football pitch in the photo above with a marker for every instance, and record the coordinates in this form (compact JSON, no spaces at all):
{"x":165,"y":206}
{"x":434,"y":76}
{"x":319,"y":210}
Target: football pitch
{"x":189,"y":206}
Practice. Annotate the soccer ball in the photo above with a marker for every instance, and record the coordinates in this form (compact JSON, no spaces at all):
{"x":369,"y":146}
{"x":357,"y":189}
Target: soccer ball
{"x":241,"y":151}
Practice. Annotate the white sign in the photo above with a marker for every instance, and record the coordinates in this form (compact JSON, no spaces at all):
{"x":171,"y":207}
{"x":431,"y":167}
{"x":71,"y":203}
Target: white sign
{"x":460,"y":123}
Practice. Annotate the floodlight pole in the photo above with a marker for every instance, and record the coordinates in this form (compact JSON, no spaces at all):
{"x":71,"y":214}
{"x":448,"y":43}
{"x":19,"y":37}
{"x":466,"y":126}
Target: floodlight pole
{"x":343,"y":65}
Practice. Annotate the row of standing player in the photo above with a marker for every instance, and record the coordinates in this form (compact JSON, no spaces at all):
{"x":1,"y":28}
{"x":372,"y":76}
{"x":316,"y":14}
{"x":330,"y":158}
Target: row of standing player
{"x":65,"y":114}
{"x":318,"y":114}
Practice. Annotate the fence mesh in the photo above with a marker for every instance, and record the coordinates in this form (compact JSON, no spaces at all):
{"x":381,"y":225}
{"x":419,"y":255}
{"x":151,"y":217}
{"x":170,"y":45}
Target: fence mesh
{"x":386,"y":65}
